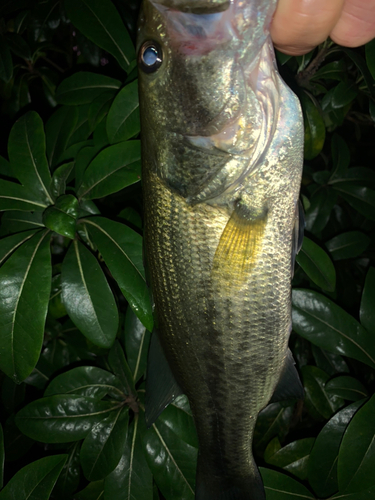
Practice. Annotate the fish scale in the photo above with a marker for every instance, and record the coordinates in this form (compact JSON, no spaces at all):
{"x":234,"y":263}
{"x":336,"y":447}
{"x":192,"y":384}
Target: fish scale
{"x":221,"y":179}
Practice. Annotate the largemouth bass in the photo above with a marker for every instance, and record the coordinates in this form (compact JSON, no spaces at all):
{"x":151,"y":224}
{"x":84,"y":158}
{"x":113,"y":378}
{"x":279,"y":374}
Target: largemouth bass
{"x":222,"y":159}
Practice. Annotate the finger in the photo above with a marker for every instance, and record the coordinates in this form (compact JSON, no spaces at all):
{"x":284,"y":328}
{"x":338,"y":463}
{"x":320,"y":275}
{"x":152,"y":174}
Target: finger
{"x":300,"y":25}
{"x":356,"y":25}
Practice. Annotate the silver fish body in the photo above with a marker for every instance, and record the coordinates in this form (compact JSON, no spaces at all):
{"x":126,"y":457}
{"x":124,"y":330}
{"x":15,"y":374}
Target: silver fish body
{"x":222,"y":160}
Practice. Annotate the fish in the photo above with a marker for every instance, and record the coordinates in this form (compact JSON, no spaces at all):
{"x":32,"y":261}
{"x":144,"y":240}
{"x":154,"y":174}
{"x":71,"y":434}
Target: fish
{"x":222,"y":153}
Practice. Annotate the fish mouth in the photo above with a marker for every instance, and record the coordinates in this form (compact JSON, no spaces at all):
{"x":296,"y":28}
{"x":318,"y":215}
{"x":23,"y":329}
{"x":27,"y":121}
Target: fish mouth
{"x":196,"y":6}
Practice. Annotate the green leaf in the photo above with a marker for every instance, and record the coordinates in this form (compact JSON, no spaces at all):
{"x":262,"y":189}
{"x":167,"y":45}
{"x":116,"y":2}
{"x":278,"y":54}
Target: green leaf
{"x":61,"y":217}
{"x":318,"y":402}
{"x":322,"y":469}
{"x":36,"y":480}
{"x":293,"y":457}
{"x":27,"y":155}
{"x":16,"y":444}
{"x":326,"y":325}
{"x":359,"y":61}
{"x":59,"y":130}
{"x":319,"y":211}
{"x":84,"y":157}
{"x":6,"y":63}
{"x":100,"y":22}
{"x":16,"y":197}
{"x":60,"y":177}
{"x":340,"y":156}
{"x":370,"y":57}
{"x":68,"y":480}
{"x":113,"y":169}
{"x":273,"y":420}
{"x":317,"y":265}
{"x":12,"y":394}
{"x":123,"y":121}
{"x":25,"y":281}
{"x":347,"y":388}
{"x":88,"y":381}
{"x":121,"y":248}
{"x":120,"y":367}
{"x":103,"y":447}
{"x":83,"y":87}
{"x":348,"y":245}
{"x":18,"y":45}
{"x":17,"y":221}
{"x":171,"y":461}
{"x":132,"y":478}
{"x":178,"y":417}
{"x":129,"y":214}
{"x":360,"y":198}
{"x":357,"y":451}
{"x":2,"y":457}
{"x":100,"y":107}
{"x":9,"y":244}
{"x":315,"y":131}
{"x":136,"y":341}
{"x":94,"y":491}
{"x":87,"y":296}
{"x":329,"y":362}
{"x":278,"y":486}
{"x":62,"y":418}
{"x":367,"y":312}
{"x":344,"y":93}
{"x":335,"y":70}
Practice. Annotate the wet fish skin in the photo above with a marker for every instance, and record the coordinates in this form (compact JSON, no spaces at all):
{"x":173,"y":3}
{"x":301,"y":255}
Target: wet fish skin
{"x":222,"y":160}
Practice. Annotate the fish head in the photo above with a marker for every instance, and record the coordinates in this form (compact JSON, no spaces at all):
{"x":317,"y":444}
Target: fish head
{"x":198,"y":74}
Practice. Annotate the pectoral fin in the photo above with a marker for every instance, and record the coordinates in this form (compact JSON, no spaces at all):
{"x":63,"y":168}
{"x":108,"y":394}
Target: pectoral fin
{"x":239,"y":247}
{"x":289,"y":386}
{"x":161,"y":386}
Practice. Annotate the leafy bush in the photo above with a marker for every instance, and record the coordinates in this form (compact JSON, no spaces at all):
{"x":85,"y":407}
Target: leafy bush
{"x":75,"y":311}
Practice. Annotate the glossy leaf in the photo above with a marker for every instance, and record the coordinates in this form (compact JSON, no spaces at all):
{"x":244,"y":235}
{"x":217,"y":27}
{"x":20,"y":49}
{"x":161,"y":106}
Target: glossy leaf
{"x":84,"y":157}
{"x":136,"y":340}
{"x":27,"y":155}
{"x":18,"y":45}
{"x":94,"y":491}
{"x":62,"y":418}
{"x":279,"y":486}
{"x":317,"y":265}
{"x":100,"y":22}
{"x":357,"y":451}
{"x":347,"y":388}
{"x":329,"y":362}
{"x":59,"y":129}
{"x":322,"y":468}
{"x":326,"y":325}
{"x":21,"y":340}
{"x":88,"y":381}
{"x":273,"y":420}
{"x":317,"y":400}
{"x":343,"y":94}
{"x":348,"y":245}
{"x":87,"y":296}
{"x":120,"y":367}
{"x":16,"y":197}
{"x":121,"y":248}
{"x":100,"y":107}
{"x":314,"y":128}
{"x":60,"y":177}
{"x":61,"y":217}
{"x":367,"y":311}
{"x":332,"y":71}
{"x":36,"y":480}
{"x":132,"y":478}
{"x":293,"y":457}
{"x":114,"y":168}
{"x":361,"y":199}
{"x":318,"y":214}
{"x":9,"y":244}
{"x":178,"y":417}
{"x":171,"y":461}
{"x":123,"y":121}
{"x":83,"y":87}
{"x":68,"y":480}
{"x":103,"y":447}
{"x":340,"y":156}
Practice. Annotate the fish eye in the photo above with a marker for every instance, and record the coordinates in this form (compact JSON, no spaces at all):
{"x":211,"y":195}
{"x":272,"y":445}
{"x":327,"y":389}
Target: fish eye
{"x":150,"y":57}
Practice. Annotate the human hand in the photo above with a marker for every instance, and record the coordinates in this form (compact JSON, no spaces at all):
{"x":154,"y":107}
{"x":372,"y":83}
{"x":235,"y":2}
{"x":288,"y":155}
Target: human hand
{"x":300,"y":25}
